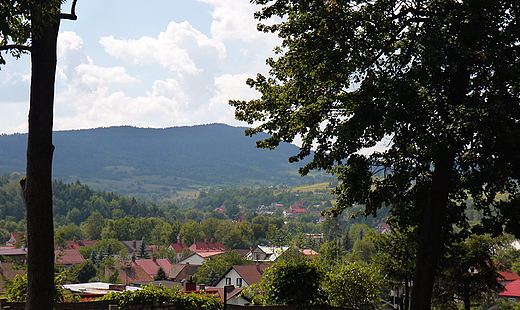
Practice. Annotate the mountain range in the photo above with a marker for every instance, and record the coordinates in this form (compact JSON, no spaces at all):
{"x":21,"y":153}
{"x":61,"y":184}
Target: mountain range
{"x":160,"y":162}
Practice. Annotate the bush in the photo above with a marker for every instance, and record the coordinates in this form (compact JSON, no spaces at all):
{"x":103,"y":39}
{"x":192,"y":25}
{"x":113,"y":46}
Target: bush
{"x":179,"y":299}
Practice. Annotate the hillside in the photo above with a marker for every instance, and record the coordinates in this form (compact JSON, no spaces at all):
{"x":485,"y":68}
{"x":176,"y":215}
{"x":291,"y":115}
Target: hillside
{"x":160,"y":162}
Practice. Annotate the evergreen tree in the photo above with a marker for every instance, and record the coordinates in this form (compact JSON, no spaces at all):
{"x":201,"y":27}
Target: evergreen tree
{"x":143,"y":254}
{"x":212,"y":278}
{"x":161,"y":274}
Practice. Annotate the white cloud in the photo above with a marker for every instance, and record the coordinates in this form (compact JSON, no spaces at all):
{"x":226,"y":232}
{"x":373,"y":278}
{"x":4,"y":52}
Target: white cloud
{"x":177,"y":48}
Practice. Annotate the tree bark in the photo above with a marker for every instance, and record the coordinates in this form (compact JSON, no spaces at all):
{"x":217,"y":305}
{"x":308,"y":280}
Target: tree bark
{"x":37,"y":187}
{"x":430,"y":241}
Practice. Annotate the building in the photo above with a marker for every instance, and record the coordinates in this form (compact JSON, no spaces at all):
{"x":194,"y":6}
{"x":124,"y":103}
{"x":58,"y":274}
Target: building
{"x":266,"y":254}
{"x":242,"y":275}
{"x":68,"y":257}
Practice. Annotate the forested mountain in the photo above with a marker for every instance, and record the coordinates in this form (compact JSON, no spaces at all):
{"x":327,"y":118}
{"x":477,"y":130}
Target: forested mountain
{"x":144,"y":161}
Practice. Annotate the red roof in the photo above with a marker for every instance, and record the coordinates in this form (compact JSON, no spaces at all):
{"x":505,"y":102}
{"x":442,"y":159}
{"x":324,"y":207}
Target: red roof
{"x":251,"y":273}
{"x":204,"y":246}
{"x":68,"y":257}
{"x":508,"y":276}
{"x":7,"y":271}
{"x":130,"y":274}
{"x":178,"y":247}
{"x":511,"y":289}
{"x":152,"y":265}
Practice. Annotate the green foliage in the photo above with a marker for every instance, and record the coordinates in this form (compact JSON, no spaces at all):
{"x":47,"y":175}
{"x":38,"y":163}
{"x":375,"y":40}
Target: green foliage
{"x":161,"y":274}
{"x":114,"y":277}
{"x":293,"y":280}
{"x":353,"y":285}
{"x":469,"y":272}
{"x":16,"y":290}
{"x":179,"y":299}
{"x":84,"y":271}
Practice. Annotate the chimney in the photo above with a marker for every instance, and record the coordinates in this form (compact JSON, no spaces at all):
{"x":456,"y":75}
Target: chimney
{"x":133,"y":258}
{"x":194,"y":240}
{"x":179,"y":239}
{"x":154,"y":259}
{"x":212,"y":240}
{"x":135,"y":244}
{"x":206,"y":240}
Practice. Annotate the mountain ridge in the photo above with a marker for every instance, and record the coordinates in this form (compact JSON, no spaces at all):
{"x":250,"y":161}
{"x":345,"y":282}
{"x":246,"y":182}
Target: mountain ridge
{"x":163,"y":161}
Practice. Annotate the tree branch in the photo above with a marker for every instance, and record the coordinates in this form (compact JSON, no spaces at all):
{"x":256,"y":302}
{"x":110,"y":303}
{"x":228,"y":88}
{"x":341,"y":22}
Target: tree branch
{"x":15,"y":46}
{"x":72,"y":15}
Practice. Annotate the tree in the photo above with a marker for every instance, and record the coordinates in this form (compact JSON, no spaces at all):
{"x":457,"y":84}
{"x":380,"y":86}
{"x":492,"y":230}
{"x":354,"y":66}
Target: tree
{"x":425,"y":79}
{"x":161,"y":274}
{"x":293,"y":280}
{"x":353,"y":286}
{"x":36,"y":23}
{"x":84,"y":271}
{"x":469,"y":272}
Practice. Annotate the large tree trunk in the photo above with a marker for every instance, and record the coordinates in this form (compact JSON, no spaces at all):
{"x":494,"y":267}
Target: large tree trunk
{"x":430,"y":242}
{"x":37,"y":186}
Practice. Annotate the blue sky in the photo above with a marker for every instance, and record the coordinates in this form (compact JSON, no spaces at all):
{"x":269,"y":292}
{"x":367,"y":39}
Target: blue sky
{"x":155,"y":63}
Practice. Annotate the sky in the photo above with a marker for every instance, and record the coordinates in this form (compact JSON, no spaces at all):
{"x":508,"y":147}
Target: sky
{"x":155,"y":63}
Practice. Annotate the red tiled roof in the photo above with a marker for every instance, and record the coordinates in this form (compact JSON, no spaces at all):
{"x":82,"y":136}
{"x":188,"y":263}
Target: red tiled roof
{"x":178,"y":247}
{"x":512,"y":289}
{"x":250,"y":273}
{"x":130,"y":274}
{"x":7,"y":271}
{"x":152,"y":265}
{"x":68,"y":257}
{"x":508,"y":276}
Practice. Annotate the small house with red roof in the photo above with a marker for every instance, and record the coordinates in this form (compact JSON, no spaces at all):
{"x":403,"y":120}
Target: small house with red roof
{"x":294,"y":211}
{"x":178,"y":247}
{"x":15,"y":239}
{"x":507,"y":277}
{"x":68,"y":257}
{"x":75,"y":244}
{"x":242,"y":275}
{"x":7,"y":271}
{"x":152,"y":265}
{"x":511,"y":291}
{"x":134,"y":273}
{"x":212,"y":245}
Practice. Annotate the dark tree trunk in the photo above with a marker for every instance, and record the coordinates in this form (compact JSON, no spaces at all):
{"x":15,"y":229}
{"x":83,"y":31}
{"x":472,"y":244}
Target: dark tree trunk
{"x":37,"y":186}
{"x":430,"y":242}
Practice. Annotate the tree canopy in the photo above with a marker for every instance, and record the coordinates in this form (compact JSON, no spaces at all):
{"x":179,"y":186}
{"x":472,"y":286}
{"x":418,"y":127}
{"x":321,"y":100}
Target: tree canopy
{"x":434,"y":84}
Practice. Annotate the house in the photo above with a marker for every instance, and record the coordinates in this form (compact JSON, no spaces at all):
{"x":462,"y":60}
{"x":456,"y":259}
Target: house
{"x":266,"y":254}
{"x":178,"y":247}
{"x":242,"y":275}
{"x":68,"y":257}
{"x":180,"y":272}
{"x":207,"y":246}
{"x":310,"y":253}
{"x":200,"y":257}
{"x":134,"y":273}
{"x":18,"y":255}
{"x":75,"y":244}
{"x":152,"y":265}
{"x":15,"y":239}
{"x":294,"y":211}
{"x":133,"y":247}
{"x":7,"y":271}
{"x":511,"y":291}
{"x":381,"y":228}
{"x":507,"y":277}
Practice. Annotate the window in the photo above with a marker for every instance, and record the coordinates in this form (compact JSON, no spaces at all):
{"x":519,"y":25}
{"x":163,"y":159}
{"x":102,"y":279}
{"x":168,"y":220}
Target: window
{"x":228,"y":281}
{"x":239,"y":282}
